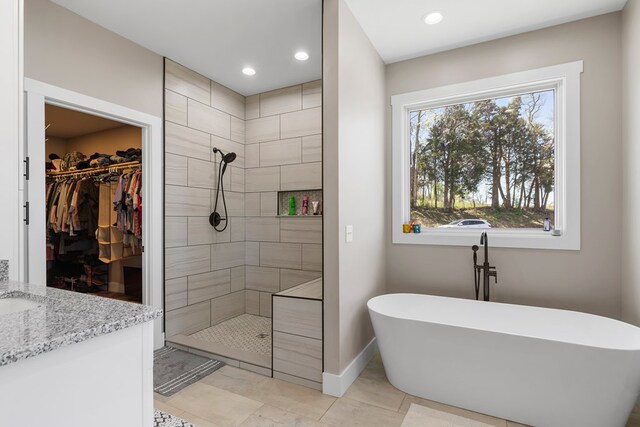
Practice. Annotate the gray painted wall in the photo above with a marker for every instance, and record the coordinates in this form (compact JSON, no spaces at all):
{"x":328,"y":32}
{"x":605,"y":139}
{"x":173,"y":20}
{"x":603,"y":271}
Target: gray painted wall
{"x":354,"y":164}
{"x":631,"y":157}
{"x":69,"y":51}
{"x":586,"y":280}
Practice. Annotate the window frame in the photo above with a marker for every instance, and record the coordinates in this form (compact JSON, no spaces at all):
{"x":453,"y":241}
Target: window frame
{"x":565,"y":80}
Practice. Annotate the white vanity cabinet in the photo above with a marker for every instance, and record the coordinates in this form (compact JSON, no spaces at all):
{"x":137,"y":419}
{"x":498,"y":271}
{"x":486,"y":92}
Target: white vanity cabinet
{"x":74,"y":360}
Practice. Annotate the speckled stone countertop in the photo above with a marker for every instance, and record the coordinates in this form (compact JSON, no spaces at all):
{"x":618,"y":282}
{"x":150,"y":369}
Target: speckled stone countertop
{"x":62,"y":319}
{"x":4,"y":269}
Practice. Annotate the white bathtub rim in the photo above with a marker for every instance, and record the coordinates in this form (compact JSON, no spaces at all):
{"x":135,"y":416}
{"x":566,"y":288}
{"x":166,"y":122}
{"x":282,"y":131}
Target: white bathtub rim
{"x":376,"y":310}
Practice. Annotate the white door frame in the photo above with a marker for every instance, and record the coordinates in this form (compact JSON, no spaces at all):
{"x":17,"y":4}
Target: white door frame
{"x":36,"y":95}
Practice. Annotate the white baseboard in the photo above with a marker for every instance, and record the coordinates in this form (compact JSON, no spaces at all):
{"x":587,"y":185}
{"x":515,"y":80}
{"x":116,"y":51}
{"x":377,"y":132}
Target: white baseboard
{"x":337,"y":385}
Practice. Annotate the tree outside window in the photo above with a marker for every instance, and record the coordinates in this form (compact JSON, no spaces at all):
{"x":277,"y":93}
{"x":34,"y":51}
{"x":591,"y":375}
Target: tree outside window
{"x":491,"y":160}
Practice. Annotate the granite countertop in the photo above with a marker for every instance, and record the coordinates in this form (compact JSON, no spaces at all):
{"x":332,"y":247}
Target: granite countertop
{"x":62,"y":319}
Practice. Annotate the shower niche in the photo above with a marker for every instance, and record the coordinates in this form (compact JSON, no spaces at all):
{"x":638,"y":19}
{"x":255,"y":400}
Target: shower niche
{"x":292,"y":203}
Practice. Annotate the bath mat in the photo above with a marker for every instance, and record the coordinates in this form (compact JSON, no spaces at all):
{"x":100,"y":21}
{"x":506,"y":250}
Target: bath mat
{"x":162,"y":419}
{"x":420,"y":416}
{"x":175,"y":369}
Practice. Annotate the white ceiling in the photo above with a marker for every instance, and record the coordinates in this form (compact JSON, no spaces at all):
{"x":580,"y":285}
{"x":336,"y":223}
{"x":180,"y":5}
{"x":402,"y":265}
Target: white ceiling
{"x":397,"y":30}
{"x":217,"y":38}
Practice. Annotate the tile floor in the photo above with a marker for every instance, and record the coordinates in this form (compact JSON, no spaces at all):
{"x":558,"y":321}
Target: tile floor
{"x":234,"y":397}
{"x":245,"y":332}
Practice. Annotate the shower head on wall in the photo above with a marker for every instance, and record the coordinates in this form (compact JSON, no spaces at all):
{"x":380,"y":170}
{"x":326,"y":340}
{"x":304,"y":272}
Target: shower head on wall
{"x":227,"y":158}
{"x":215,"y":218}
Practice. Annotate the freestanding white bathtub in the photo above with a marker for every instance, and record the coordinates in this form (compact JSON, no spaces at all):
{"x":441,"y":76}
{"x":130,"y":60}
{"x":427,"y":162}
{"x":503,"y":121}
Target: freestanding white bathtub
{"x":536,"y":366}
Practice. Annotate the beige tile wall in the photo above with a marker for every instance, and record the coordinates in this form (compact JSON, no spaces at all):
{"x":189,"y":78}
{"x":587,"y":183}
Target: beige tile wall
{"x":204,"y":269}
{"x":213,"y":276}
{"x":283,"y":152}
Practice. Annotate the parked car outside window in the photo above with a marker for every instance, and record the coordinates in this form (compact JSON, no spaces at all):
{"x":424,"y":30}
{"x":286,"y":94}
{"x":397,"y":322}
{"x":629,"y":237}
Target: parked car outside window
{"x":467,"y":223}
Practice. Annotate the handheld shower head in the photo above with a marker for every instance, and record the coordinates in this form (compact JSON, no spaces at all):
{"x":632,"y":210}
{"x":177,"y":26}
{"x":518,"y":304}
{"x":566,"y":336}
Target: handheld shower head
{"x":229,"y":157}
{"x":226,"y":158}
{"x":215,"y":218}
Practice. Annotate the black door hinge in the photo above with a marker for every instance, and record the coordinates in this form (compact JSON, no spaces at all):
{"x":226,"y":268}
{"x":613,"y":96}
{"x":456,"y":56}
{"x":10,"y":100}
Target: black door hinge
{"x":26,"y":213}
{"x":26,"y":168}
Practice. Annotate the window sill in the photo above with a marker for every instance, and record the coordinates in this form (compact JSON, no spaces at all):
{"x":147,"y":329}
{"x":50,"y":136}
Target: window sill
{"x":521,"y":239}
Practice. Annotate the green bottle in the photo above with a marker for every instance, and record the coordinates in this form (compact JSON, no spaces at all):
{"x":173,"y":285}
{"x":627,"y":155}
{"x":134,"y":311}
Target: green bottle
{"x":292,"y":205}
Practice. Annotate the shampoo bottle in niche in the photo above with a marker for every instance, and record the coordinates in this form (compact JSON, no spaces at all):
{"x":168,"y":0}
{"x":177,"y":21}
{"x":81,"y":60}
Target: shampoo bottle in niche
{"x":305,"y":205}
{"x":292,"y":205}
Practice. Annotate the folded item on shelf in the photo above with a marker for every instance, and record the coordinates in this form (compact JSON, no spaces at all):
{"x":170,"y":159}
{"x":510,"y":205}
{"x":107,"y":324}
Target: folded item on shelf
{"x":118,"y":159}
{"x":100,"y":162}
{"x":83,"y":165}
{"x":71,"y":160}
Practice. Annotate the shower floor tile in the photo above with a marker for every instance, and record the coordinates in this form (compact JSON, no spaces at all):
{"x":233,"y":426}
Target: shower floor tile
{"x":246,"y":332}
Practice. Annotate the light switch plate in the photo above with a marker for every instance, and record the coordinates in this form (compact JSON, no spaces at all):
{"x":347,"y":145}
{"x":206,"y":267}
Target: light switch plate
{"x":348,"y":233}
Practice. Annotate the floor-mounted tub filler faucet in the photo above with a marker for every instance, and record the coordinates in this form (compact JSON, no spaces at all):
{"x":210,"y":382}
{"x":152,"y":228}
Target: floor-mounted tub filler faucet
{"x":483,"y":271}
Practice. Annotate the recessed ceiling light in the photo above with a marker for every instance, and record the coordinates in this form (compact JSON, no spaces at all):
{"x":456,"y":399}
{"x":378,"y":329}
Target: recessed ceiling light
{"x":248,"y":71}
{"x":433,"y":18}
{"x":301,"y":55}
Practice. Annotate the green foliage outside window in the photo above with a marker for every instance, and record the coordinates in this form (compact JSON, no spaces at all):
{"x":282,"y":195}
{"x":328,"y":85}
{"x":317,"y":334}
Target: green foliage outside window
{"x":490,"y":159}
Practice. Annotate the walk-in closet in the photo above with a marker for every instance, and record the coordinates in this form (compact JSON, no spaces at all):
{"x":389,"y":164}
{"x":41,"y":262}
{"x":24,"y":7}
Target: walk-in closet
{"x":94,"y":204}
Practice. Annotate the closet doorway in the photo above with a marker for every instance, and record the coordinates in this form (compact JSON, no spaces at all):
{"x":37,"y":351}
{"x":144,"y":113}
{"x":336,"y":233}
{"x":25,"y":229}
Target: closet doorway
{"x":115,"y":237}
{"x":94,"y":204}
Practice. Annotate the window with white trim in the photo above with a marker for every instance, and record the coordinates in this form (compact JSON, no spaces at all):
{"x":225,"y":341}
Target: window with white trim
{"x":500,"y":155}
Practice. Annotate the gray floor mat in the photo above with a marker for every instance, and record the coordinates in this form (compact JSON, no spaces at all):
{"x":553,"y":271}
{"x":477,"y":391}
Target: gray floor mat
{"x":175,"y":369}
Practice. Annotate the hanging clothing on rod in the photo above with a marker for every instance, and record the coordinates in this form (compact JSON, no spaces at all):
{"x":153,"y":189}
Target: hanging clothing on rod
{"x":128,"y":205}
{"x":120,"y":221}
{"x":73,"y":199}
{"x":94,"y":221}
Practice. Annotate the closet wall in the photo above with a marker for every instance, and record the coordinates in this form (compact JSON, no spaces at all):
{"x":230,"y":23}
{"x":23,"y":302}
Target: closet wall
{"x":210,"y":276}
{"x":107,"y":142}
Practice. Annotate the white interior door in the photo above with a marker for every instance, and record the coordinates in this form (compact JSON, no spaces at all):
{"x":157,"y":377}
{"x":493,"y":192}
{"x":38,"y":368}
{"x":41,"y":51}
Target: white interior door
{"x":34,"y":236}
{"x":35,"y":209}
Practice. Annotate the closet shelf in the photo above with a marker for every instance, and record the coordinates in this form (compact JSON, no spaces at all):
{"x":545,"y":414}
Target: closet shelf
{"x":92,"y":171}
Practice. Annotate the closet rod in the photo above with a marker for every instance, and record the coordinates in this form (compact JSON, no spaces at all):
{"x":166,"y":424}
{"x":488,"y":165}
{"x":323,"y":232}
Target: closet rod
{"x":92,"y":171}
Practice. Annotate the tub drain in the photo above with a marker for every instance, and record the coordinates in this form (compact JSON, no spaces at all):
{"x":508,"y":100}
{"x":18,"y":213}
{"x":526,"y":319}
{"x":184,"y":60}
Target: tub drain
{"x":263,"y":335}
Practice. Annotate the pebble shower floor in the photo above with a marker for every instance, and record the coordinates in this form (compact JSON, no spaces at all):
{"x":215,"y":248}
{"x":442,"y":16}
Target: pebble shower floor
{"x":245,"y":332}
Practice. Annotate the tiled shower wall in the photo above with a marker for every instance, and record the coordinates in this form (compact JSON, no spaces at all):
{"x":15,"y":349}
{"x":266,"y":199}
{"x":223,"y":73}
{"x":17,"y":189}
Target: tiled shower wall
{"x":283,"y":152}
{"x":204,"y":269}
{"x":212,"y":276}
